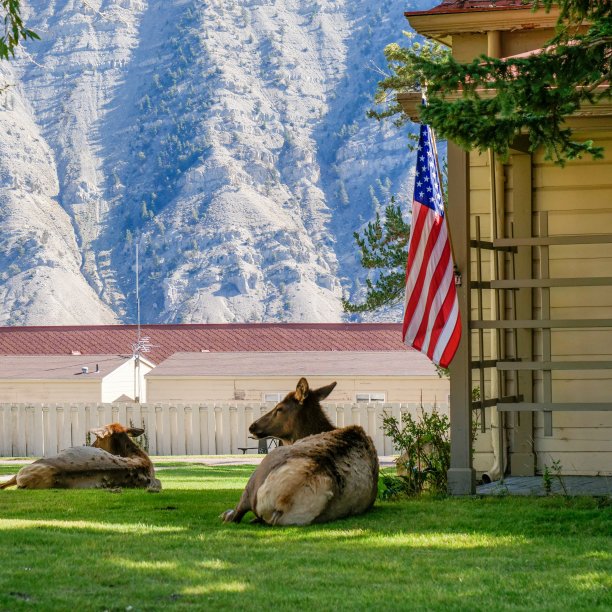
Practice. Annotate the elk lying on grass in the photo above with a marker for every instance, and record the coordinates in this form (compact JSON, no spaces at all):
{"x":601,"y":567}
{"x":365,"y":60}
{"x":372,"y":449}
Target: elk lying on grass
{"x":113,"y":460}
{"x":321,"y":473}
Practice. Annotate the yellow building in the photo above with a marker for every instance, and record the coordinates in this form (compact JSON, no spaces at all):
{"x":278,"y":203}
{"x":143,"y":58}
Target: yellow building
{"x":533,"y":242}
{"x":362,"y":376}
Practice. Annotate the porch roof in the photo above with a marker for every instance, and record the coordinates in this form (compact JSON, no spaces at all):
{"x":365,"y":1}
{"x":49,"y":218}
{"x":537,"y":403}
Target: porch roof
{"x":470,"y":6}
{"x":478,"y":16}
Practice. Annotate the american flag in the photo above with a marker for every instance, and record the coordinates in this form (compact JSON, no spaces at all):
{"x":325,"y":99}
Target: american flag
{"x":431,"y":310}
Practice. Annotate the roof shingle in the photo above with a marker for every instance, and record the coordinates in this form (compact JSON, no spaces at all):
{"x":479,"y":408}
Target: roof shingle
{"x":169,"y":339}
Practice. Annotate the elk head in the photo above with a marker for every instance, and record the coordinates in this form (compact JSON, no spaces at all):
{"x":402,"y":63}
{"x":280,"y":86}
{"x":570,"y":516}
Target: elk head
{"x":297,"y":416}
{"x":114,"y":439}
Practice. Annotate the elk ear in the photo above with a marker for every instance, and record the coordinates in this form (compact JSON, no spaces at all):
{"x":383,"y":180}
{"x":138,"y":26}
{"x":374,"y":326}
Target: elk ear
{"x":134,"y":431}
{"x":301,"y":391}
{"x":101,"y":432}
{"x":323,"y":392}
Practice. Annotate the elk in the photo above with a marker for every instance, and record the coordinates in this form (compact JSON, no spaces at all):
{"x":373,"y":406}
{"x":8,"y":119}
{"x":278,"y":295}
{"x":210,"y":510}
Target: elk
{"x":319,"y":474}
{"x":113,"y":460}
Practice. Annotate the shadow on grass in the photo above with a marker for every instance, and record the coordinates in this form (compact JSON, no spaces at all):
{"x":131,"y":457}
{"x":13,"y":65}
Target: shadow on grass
{"x":97,"y":550}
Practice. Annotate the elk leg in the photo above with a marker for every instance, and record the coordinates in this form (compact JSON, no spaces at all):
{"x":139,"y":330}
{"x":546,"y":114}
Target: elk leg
{"x":9,"y":483}
{"x":276,"y":517}
{"x":235,"y":515}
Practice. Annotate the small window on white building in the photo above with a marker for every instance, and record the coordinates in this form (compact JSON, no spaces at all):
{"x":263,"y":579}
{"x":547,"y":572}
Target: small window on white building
{"x":273,"y":396}
{"x":374,"y":396}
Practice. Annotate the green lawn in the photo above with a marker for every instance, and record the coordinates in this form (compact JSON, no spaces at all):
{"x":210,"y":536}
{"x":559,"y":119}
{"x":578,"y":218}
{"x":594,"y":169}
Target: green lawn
{"x":96,"y":550}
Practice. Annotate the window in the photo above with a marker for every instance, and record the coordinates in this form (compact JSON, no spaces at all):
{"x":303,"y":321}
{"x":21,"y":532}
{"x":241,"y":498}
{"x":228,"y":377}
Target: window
{"x":373,"y":396}
{"x":273,"y":396}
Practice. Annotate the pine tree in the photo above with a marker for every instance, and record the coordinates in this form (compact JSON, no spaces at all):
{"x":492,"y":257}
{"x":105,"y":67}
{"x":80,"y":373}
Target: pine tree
{"x":14,"y":29}
{"x":383,"y":246}
{"x":504,"y":97}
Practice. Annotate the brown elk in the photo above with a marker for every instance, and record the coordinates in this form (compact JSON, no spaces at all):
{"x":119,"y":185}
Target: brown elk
{"x":319,"y":474}
{"x":113,"y":460}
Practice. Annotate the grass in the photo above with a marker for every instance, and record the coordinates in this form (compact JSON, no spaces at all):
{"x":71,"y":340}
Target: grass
{"x":96,"y":550}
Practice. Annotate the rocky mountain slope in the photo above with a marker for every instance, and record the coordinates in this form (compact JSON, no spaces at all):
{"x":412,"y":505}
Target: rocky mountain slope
{"x":227,"y":139}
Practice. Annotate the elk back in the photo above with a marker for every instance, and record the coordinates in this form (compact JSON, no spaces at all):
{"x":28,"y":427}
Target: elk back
{"x":319,"y":478}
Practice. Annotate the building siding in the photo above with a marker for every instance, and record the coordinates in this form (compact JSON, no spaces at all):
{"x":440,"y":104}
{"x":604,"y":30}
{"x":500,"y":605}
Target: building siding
{"x":185,"y":389}
{"x":123,"y":381}
{"x":48,"y":391}
{"x":577,"y":200}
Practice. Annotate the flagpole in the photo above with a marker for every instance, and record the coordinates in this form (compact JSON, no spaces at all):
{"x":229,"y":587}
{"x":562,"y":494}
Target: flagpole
{"x":448,"y":229}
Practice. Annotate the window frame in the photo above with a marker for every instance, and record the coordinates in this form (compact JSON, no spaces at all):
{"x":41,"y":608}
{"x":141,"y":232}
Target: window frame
{"x":370,"y":394}
{"x":279,"y":394}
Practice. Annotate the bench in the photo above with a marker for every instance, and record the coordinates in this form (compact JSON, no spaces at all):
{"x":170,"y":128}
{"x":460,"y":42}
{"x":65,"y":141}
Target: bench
{"x":264,"y":445}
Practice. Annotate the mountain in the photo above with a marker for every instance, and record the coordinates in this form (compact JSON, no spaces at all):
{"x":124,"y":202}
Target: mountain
{"x":227,"y":139}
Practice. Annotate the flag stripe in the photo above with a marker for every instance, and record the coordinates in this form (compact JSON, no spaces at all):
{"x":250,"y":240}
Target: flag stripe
{"x":431,"y":321}
{"x":444,"y":313}
{"x":436,"y":294}
{"x":442,"y":304}
{"x":422,"y":271}
{"x":449,"y":350}
{"x":416,"y":254}
{"x":436,"y":318}
{"x":416,"y":248}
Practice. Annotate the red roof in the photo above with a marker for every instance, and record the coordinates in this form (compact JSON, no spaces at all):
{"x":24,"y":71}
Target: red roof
{"x":469,"y":6}
{"x":169,"y":339}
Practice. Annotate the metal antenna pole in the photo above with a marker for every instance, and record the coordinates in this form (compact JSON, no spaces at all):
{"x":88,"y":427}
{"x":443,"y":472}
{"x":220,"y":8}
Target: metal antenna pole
{"x":142,"y":345}
{"x":137,"y":352}
{"x":137,"y":295}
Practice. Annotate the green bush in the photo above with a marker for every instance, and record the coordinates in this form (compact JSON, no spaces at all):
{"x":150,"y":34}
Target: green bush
{"x":424,"y":447}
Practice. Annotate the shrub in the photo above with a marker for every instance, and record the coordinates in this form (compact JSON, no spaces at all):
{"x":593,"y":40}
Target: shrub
{"x":424,"y":447}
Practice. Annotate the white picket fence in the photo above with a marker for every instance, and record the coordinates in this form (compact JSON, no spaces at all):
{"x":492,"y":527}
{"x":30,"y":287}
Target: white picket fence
{"x":36,"y":430}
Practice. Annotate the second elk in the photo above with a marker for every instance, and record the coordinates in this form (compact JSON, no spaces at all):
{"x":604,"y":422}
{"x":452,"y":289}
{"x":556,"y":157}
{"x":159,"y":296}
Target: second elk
{"x":112,"y":461}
